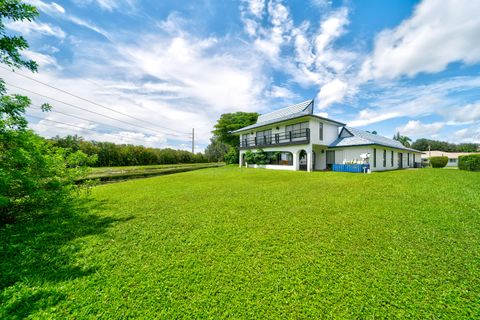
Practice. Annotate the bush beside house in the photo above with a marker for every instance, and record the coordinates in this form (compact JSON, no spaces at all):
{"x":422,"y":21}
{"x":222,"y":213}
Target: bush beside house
{"x":438,"y":162}
{"x":469,"y":162}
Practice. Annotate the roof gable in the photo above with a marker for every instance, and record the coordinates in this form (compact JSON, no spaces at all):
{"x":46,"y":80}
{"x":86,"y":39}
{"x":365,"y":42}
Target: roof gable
{"x":300,"y":110}
{"x":305,"y":107}
{"x":350,"y":137}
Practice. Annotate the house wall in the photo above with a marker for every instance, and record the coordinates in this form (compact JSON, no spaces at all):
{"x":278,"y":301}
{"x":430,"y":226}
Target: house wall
{"x":320,"y":158}
{"x":330,"y":132}
{"x":353,"y":153}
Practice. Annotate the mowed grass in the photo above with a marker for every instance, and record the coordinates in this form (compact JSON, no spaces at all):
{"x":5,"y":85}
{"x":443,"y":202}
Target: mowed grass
{"x":246,"y":243}
{"x":131,"y":172}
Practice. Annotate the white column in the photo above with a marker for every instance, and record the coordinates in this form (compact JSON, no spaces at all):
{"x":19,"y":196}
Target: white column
{"x":296,"y":160}
{"x":240,"y":159}
{"x":309,"y":160}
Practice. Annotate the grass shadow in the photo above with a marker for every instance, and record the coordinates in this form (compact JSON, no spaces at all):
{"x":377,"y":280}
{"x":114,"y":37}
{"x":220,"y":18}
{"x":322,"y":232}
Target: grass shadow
{"x":42,"y":250}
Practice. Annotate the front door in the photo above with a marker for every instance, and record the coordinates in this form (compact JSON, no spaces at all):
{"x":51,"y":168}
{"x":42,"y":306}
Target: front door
{"x":330,"y":159}
{"x":400,"y":160}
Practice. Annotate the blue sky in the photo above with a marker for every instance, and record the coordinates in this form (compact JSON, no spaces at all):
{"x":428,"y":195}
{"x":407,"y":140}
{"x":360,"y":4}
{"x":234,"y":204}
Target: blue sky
{"x":408,"y":66}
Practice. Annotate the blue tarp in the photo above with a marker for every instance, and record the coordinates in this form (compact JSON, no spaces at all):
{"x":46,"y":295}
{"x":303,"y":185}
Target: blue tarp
{"x":358,"y":168}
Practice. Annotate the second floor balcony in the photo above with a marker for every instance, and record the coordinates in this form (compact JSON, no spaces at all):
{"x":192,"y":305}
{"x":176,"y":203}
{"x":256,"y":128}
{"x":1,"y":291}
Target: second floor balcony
{"x":301,"y":136}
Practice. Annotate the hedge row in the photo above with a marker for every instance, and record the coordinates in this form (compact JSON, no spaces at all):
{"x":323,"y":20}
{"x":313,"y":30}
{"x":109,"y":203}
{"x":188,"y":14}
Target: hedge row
{"x":469,"y":162}
{"x":438,"y":162}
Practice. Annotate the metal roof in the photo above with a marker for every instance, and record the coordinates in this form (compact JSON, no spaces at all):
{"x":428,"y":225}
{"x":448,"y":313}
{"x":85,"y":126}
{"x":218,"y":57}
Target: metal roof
{"x":305,"y":106}
{"x":292,"y":112}
{"x":359,"y":137}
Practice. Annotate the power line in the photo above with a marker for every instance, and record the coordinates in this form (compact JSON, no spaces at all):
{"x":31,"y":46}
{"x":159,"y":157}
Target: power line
{"x":89,"y":101}
{"x":85,"y":119}
{"x":74,"y":126}
{"x":94,"y":112}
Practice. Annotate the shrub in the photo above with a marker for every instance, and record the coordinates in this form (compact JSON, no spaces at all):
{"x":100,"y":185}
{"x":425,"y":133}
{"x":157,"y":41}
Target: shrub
{"x":469,"y":162}
{"x":438,"y":162}
{"x":260,"y":157}
{"x":231,"y":157}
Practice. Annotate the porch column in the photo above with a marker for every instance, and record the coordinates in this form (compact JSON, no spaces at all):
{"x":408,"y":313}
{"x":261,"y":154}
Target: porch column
{"x":309,"y":160}
{"x":240,"y":160}
{"x":296,"y":160}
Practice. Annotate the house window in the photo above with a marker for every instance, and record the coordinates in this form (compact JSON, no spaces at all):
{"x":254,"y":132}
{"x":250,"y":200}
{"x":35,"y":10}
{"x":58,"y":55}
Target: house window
{"x":297,"y":129}
{"x":391,"y":159}
{"x":321,"y":131}
{"x":374,"y":157}
{"x":414,"y":159}
{"x":452,"y":160}
{"x":408,"y":159}
{"x":384,"y":158}
{"x":264,"y":137}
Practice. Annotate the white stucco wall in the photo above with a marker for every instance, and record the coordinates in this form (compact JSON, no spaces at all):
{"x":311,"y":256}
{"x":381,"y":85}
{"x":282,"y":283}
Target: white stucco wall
{"x":330,"y":131}
{"x":353,"y":153}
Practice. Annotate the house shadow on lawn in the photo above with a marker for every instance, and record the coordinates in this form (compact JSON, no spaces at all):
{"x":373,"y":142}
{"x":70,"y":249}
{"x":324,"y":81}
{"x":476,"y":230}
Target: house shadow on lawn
{"x":41,"y":251}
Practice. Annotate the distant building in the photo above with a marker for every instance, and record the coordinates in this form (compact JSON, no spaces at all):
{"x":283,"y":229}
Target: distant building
{"x":452,"y":156}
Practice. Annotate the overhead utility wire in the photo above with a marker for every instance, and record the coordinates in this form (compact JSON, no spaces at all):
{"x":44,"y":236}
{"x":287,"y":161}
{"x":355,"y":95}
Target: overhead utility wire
{"x":90,"y":101}
{"x":74,"y":126}
{"x":97,"y":113}
{"x":85,"y":119}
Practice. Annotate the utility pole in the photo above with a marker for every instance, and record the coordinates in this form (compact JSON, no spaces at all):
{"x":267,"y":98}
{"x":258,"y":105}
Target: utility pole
{"x":193,"y":140}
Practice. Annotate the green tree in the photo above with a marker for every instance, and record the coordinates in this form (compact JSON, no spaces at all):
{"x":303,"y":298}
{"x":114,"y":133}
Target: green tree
{"x":229,"y":122}
{"x":33,"y":174}
{"x":10,"y":46}
{"x":216,"y":150}
{"x":231,"y":157}
{"x":404,"y":140}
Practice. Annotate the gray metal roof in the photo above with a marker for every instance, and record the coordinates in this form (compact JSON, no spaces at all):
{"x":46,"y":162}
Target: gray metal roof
{"x":360,"y":137}
{"x":305,"y":106}
{"x":292,"y":112}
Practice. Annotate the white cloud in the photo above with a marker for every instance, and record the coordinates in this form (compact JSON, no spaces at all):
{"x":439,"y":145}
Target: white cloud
{"x":43,"y":60}
{"x":416,"y":128}
{"x":108,"y":5}
{"x":333,"y":91}
{"x":471,"y":134}
{"x":173,"y":81}
{"x":465,"y":114}
{"x":281,"y":92}
{"x":55,"y":10}
{"x":316,"y":62}
{"x":31,"y":27}
{"x":49,"y":8}
{"x":393,"y":100}
{"x":256,"y":7}
{"x":437,"y":34}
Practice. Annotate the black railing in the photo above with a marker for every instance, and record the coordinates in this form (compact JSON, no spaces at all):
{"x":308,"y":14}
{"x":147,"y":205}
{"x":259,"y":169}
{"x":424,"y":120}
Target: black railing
{"x":284,"y":138}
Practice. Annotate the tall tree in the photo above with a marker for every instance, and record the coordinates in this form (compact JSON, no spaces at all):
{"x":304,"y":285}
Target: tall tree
{"x":216,"y":150}
{"x":229,"y":122}
{"x":425,"y":144}
{"x":402,"y":139}
{"x":33,"y":175}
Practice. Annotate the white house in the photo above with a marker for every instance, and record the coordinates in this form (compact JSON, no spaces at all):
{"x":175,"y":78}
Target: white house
{"x":452,"y":156}
{"x":296,"y":139}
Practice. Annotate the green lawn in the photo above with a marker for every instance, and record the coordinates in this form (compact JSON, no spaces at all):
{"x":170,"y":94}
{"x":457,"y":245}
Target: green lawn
{"x":232,"y":243}
{"x":131,"y":172}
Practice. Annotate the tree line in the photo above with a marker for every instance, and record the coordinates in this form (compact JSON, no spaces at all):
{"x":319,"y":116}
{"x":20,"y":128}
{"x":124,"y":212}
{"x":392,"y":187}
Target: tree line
{"x":108,"y":154}
{"x":425,"y":144}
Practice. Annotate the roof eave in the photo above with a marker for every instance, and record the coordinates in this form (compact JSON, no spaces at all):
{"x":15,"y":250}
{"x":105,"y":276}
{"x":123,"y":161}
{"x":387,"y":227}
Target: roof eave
{"x":238,"y":131}
{"x":376,"y":144}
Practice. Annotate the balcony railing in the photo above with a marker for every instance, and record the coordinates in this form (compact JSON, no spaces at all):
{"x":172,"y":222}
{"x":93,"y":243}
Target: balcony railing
{"x":301,"y":136}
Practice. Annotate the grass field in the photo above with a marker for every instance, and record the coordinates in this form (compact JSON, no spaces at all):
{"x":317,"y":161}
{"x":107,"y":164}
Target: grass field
{"x":132,"y":172}
{"x":232,"y":243}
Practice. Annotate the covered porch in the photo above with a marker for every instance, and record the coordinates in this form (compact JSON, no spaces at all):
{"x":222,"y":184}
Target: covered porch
{"x":300,"y":158}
